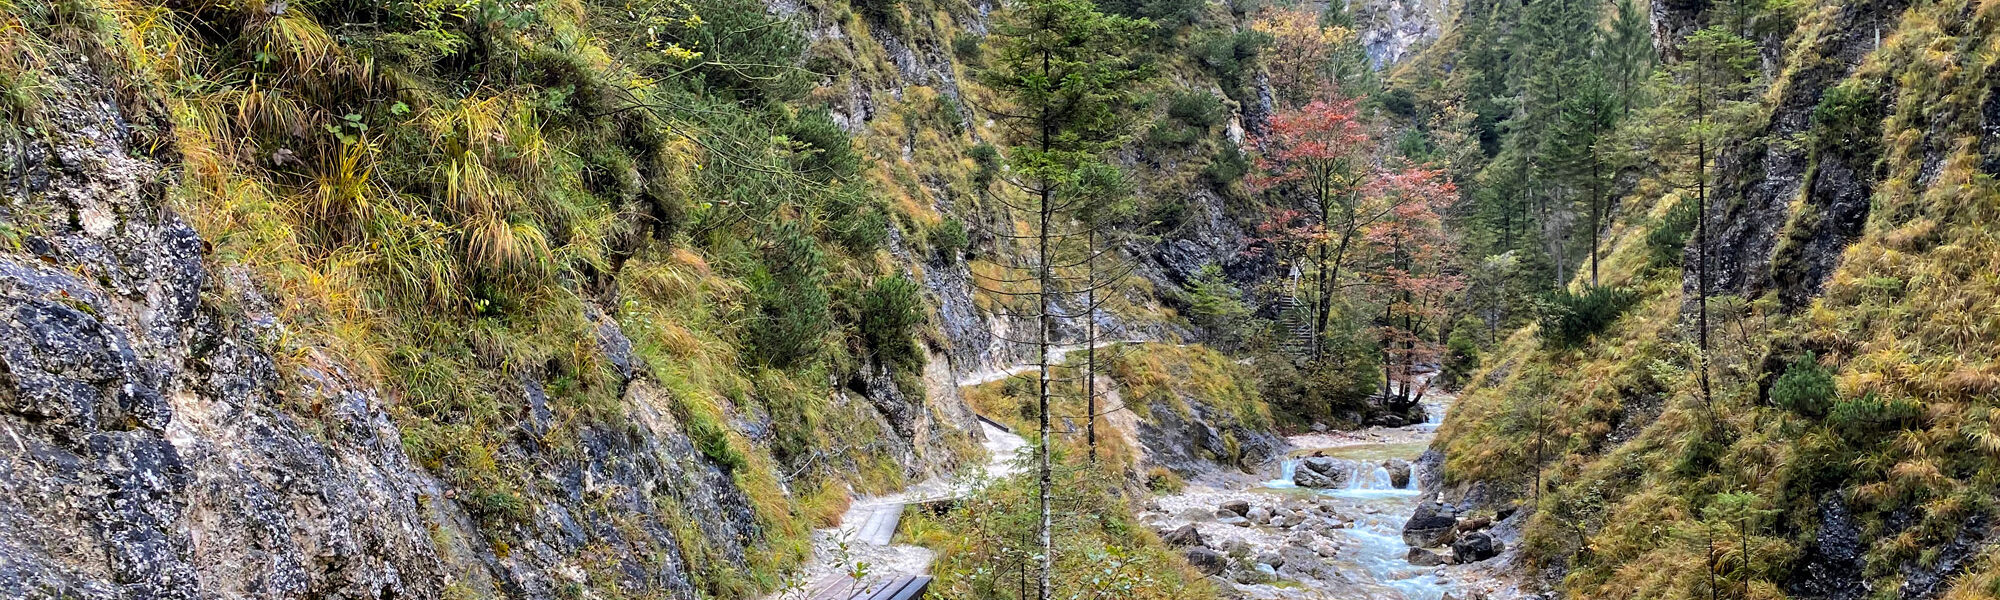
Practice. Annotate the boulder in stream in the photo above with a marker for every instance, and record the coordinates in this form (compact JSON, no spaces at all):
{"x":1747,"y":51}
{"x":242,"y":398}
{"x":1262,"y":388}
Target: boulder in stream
{"x":1475,"y":547}
{"x":1427,"y":528}
{"x":1259,"y":515}
{"x":1399,"y":472}
{"x":1185,"y":537}
{"x":1424,"y":558}
{"x":1209,"y":562}
{"x":1240,"y":507}
{"x":1319,"y":472}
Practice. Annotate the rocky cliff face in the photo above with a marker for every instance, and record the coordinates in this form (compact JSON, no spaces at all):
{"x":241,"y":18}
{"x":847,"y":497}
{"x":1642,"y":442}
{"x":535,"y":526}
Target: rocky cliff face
{"x":166,"y":437}
{"x":1760,"y":243}
{"x":1393,"y":30}
{"x":148,"y":454}
{"x":1844,"y":221}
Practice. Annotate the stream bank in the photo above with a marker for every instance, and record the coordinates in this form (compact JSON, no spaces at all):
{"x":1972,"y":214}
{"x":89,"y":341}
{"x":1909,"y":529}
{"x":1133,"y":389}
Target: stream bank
{"x":1265,"y":536}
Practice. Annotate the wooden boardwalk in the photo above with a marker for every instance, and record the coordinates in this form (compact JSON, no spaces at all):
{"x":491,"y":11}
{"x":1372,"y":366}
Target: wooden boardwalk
{"x":885,"y":587}
{"x":879,"y":525}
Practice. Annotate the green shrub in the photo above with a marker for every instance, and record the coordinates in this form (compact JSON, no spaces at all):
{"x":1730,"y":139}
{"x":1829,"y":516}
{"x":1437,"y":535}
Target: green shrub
{"x":1167,"y":134}
{"x":792,"y":307}
{"x":1216,"y":306}
{"x":1805,"y":387}
{"x":1666,"y":242}
{"x":746,"y":54}
{"x":1197,"y":108}
{"x":948,"y":238}
{"x":949,"y":114}
{"x":1568,"y":320}
{"x":1227,"y":166}
{"x":1864,"y":421}
{"x":1400,"y":102}
{"x":1169,"y":15}
{"x":968,"y":47}
{"x":1161,"y":480}
{"x":1847,"y":116}
{"x":1461,"y":352}
{"x":1413,"y":145}
{"x":888,"y":13}
{"x":891,"y":310}
{"x":862,"y":230}
{"x":1228,"y":55}
{"x":987,"y":160}
{"x":827,"y":154}
{"x":1165,"y":214}
{"x":712,"y":439}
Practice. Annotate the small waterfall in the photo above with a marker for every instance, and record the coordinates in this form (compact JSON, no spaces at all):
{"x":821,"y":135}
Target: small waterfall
{"x":1361,"y":476}
{"x":1286,"y":470}
{"x":1365,"y":476}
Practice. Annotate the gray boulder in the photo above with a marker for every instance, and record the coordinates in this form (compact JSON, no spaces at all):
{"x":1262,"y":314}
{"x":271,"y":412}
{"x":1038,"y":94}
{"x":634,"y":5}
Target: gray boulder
{"x":1426,"y":528}
{"x":1475,"y":547}
{"x":1259,"y":515}
{"x":1319,"y":472}
{"x":1185,"y":537}
{"x":1240,"y":507}
{"x":1399,"y":472}
{"x":1209,"y":562}
{"x":1305,"y":563}
{"x":1424,"y":558}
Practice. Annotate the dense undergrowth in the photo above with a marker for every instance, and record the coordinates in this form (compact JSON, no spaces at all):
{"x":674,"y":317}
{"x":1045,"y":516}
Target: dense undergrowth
{"x":987,"y":545}
{"x":1878,"y":396}
{"x":449,"y":198}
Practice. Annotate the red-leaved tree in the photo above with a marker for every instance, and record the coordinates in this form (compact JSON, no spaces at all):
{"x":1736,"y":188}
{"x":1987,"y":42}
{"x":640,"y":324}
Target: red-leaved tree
{"x":1319,"y":150}
{"x":1410,"y":250}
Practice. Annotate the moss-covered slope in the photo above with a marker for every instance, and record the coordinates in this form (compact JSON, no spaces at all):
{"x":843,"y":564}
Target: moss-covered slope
{"x":1847,"y":448}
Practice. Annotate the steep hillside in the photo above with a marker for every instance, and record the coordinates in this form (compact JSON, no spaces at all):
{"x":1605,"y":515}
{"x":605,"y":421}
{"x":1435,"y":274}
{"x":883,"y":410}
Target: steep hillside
{"x":333,"y":299}
{"x":1830,"y":436}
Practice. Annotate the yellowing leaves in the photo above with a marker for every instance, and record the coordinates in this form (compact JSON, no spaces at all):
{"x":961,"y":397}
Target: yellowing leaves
{"x":1301,"y":51}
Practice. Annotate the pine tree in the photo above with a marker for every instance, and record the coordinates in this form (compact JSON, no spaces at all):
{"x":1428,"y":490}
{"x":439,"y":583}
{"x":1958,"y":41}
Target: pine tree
{"x":1576,"y":152}
{"x":1064,"y":69}
{"x":1628,"y":53}
{"x":1705,"y":103}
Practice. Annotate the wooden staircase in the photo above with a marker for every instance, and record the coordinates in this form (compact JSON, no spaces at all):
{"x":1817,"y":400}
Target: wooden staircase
{"x":1296,"y":335}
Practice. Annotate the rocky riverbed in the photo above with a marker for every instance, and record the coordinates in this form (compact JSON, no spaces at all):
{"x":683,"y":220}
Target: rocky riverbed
{"x":1343,"y":516}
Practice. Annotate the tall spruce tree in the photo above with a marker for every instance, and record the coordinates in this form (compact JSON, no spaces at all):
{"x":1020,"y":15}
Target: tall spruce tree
{"x":1628,"y":53}
{"x":1576,"y":149}
{"x":1706,"y":101}
{"x":1063,"y":67}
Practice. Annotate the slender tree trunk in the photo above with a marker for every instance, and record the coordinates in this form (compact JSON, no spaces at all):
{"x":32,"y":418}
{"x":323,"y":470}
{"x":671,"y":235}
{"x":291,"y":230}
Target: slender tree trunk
{"x":1327,"y":272}
{"x":1047,"y":327}
{"x":1595,"y":225}
{"x":1090,"y":340}
{"x":1701,"y":231}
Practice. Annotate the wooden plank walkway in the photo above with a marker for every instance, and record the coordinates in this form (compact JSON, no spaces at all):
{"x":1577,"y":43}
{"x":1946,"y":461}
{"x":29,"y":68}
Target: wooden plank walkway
{"x":881,"y":587}
{"x":879,"y":528}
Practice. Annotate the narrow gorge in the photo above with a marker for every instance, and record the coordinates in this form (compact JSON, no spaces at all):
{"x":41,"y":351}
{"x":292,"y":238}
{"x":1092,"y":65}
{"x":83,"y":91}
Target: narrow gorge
{"x":998,"y":300}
